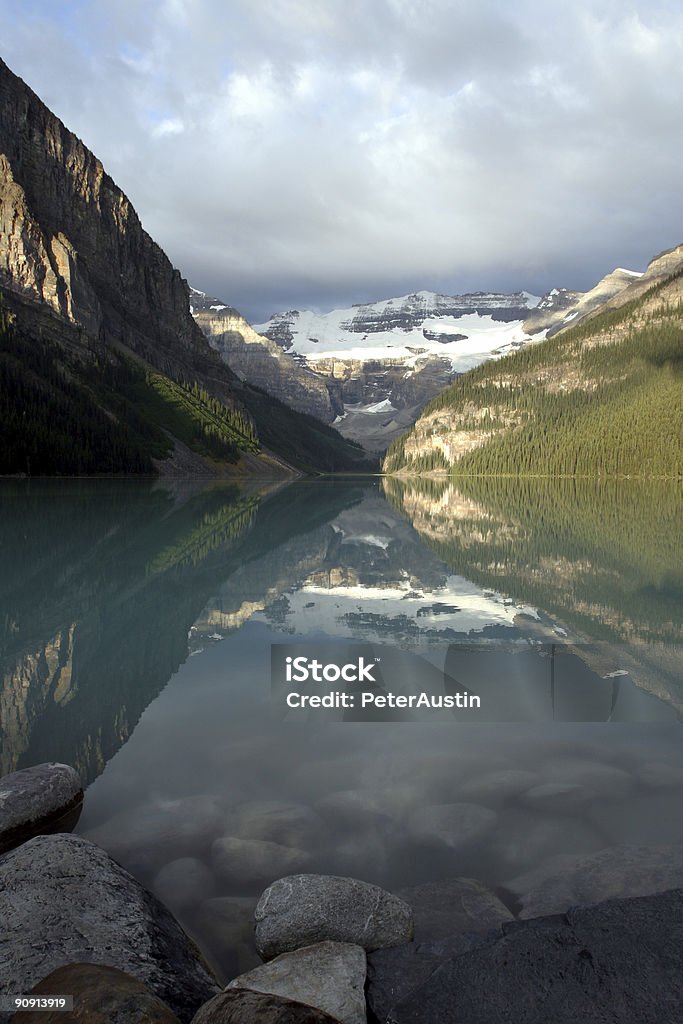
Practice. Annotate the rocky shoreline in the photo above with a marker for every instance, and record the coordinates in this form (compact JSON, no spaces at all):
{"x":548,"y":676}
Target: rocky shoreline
{"x":335,"y":950}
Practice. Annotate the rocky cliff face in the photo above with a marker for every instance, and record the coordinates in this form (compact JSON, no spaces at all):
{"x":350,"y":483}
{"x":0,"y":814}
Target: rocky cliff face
{"x":262,"y":362}
{"x":664,"y":266}
{"x":390,"y":357}
{"x":562,"y":308}
{"x":84,"y":288}
{"x":69,"y":237}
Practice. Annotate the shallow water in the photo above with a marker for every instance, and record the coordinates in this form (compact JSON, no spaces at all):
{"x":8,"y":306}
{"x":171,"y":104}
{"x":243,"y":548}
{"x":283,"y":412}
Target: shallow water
{"x":138,"y":626}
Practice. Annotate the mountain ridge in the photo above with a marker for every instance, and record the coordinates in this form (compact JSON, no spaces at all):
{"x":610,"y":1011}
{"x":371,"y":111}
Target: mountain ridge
{"x":599,"y":398}
{"x":96,"y":320}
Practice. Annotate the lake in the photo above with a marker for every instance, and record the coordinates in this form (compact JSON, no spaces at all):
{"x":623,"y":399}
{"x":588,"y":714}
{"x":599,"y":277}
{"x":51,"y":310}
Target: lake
{"x":145,"y":632}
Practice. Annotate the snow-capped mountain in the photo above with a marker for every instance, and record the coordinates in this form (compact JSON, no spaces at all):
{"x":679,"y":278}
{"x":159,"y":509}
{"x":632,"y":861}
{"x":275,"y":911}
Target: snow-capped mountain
{"x":456,"y":328}
{"x":392,"y":356}
{"x":371,"y":368}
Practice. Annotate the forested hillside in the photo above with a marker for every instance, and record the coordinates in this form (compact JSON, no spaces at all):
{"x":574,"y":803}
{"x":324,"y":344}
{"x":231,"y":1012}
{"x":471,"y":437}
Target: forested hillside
{"x":70,"y":409}
{"x":602,"y":399}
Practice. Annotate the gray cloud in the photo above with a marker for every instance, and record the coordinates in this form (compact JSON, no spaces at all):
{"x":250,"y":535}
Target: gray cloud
{"x":302,"y":153}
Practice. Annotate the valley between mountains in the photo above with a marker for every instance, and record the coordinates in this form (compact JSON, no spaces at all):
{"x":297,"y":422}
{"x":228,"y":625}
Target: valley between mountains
{"x":111,"y":364}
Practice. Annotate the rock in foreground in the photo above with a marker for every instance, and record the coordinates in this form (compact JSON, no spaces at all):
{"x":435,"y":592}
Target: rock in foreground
{"x":240,"y":1006}
{"x":618,"y":962}
{"x":33,"y":799}
{"x":300,"y":910}
{"x":64,"y":900}
{"x":441,"y":909}
{"x":102,"y":995}
{"x":329,"y":976}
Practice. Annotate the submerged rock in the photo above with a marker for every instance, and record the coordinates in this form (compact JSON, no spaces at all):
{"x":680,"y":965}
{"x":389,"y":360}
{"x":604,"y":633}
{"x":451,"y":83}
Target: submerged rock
{"x":34,"y":799}
{"x":328,"y":975}
{"x":183,"y":883}
{"x":240,"y":1006}
{"x":255,"y":861}
{"x":226,"y":927}
{"x":154,"y":833}
{"x":493,"y":788}
{"x":598,"y":781}
{"x":452,"y":825}
{"x":273,"y":821}
{"x":102,"y":995}
{"x":301,"y":910}
{"x":64,"y":900}
{"x":524,"y":839}
{"x":568,"y":880}
{"x":440,"y":909}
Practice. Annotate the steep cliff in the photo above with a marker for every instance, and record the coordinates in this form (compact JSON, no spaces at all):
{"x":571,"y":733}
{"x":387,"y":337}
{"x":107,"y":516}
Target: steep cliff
{"x":96,"y":326}
{"x":262,"y":362}
{"x":70,"y":237}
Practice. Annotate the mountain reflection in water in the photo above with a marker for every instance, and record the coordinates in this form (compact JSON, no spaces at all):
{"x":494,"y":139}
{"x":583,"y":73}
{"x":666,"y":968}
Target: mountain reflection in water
{"x":135,"y":644}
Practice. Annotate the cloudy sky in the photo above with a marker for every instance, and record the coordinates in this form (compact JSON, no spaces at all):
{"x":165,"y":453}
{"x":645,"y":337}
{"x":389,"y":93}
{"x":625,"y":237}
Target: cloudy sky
{"x":314,"y":153}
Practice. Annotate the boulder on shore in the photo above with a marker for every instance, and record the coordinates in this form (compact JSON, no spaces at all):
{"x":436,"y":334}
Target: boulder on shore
{"x":617,"y":962}
{"x":240,"y":1006}
{"x":300,"y":910}
{"x":329,"y":976}
{"x":102,"y":995}
{"x":64,"y":901}
{"x":34,"y":799}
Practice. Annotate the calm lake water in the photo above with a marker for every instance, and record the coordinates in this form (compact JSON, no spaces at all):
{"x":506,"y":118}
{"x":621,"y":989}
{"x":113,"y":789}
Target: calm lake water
{"x":138,"y":625}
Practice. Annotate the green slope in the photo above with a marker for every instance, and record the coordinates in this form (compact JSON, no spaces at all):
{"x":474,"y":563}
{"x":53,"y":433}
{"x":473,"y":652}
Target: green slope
{"x":66,"y":410}
{"x":605,"y":399}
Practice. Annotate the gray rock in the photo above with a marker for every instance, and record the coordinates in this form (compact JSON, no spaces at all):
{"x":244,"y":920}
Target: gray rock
{"x":598,"y":780}
{"x":241,"y":1006}
{"x":452,"y":825}
{"x":254,"y":861}
{"x":524,"y":839}
{"x":616,"y":872}
{"x":440,"y":909}
{"x":394,"y":973}
{"x":354,"y":808}
{"x":63,"y":900}
{"x":493,"y":788}
{"x":619,"y":962}
{"x":661,"y":774}
{"x":328,"y":975}
{"x":355,"y":851}
{"x":277,"y":822}
{"x":102,"y":995}
{"x":184,"y":883}
{"x":654,"y":819}
{"x":148,"y":836}
{"x":304,"y":909}
{"x":34,"y":799}
{"x":556,"y":796}
{"x":224,"y":928}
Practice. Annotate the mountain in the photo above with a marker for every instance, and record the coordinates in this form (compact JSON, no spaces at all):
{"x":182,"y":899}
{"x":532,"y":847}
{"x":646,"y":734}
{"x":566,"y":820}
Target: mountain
{"x":260,"y":361}
{"x":561,"y":307}
{"x":102,"y":367}
{"x":603,"y":398}
{"x":389,"y":358}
